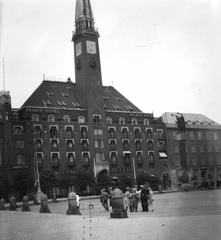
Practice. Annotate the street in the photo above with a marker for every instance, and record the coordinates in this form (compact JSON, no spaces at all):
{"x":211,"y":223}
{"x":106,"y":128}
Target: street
{"x":178,"y":215}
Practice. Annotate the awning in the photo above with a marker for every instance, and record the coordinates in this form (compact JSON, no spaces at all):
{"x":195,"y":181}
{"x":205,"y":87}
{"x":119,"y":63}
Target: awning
{"x":162,"y":155}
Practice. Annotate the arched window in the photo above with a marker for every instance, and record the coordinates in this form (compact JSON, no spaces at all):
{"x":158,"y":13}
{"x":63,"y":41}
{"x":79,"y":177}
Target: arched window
{"x":66,"y":118}
{"x":35,"y":118}
{"x":81,"y":119}
{"x":20,"y":159}
{"x":146,"y":121}
{"x":121,"y":121}
{"x":134,"y":121}
{"x":51,"y":118}
{"x":109,"y":120}
{"x":15,"y":116}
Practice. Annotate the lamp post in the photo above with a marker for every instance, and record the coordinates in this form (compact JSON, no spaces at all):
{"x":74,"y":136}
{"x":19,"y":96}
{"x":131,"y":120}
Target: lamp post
{"x":39,"y":192}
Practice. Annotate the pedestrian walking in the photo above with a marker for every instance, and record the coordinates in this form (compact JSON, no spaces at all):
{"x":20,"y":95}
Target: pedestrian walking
{"x":151,"y":199}
{"x":104,"y":199}
{"x":110,"y":192}
{"x":144,"y":198}
{"x":127,"y":200}
{"x":131,"y":200}
{"x":135,"y":199}
{"x":78,"y":201}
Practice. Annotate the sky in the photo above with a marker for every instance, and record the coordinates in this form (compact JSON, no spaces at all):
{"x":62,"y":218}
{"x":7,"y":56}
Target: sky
{"x":163,"y":55}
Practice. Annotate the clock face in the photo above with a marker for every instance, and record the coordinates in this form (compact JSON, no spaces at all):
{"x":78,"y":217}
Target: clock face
{"x":78,"y":49}
{"x":91,"y":47}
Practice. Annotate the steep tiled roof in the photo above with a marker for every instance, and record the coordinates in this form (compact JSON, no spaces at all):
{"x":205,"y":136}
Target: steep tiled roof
{"x":190,"y":118}
{"x":54,"y":94}
{"x":63,"y":95}
{"x":115,"y":101}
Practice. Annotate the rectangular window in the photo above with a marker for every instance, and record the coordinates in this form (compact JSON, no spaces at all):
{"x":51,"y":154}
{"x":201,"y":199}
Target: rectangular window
{"x":202,"y":159}
{"x":192,"y":136}
{"x":210,"y":160}
{"x":193,"y":148}
{"x":194,"y":161}
{"x":176,"y":148}
{"x":200,"y":136}
{"x":177,"y":161}
{"x":201,"y":147}
{"x":18,"y":129}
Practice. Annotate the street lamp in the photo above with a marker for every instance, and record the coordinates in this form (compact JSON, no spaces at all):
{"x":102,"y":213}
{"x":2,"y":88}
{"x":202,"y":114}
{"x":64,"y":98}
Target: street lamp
{"x":39,"y":192}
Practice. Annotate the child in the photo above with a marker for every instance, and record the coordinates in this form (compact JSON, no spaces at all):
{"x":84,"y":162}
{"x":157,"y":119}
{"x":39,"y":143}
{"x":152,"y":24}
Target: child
{"x":151,"y":199}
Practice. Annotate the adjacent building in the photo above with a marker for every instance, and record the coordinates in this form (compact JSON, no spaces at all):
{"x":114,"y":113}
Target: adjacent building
{"x":197,"y":149}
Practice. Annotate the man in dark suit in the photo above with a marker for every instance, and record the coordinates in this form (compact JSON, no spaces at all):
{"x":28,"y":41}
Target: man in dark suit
{"x":144,"y":198}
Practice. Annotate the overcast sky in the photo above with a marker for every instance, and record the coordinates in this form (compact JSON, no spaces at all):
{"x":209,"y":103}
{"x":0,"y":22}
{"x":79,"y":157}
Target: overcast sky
{"x":163,"y":55}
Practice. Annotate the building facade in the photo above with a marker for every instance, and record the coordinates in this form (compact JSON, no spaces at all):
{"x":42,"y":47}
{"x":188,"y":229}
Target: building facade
{"x":66,"y":127}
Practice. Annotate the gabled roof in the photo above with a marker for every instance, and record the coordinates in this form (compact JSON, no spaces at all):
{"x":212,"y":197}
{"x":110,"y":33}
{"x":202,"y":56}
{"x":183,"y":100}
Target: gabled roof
{"x":57,"y":94}
{"x":115,"y":101}
{"x":190,"y":118}
{"x":54,"y":94}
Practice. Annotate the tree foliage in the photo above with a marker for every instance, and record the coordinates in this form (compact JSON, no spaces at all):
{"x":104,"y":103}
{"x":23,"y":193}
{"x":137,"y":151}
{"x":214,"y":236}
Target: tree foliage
{"x":142,"y":178}
{"x":84,"y":179}
{"x":48,"y":180}
{"x":22,"y":180}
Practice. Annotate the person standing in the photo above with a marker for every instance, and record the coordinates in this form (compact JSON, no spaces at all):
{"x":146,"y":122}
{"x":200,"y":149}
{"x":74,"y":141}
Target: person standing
{"x":144,"y":198}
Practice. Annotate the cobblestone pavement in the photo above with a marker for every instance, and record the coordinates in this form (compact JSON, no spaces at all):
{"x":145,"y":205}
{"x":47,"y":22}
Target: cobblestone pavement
{"x":181,"y":215}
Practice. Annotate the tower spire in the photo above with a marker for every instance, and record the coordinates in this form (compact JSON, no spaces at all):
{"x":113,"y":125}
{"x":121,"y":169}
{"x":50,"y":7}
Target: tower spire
{"x":84,"y":18}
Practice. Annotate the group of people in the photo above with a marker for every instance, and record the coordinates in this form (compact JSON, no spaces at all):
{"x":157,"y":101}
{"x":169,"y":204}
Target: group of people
{"x":132,"y":197}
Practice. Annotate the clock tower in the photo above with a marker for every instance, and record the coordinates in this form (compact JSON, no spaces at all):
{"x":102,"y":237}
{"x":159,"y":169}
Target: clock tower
{"x":87,"y":59}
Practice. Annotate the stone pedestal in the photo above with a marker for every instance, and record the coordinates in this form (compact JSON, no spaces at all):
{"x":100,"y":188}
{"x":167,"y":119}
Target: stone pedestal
{"x":117,"y":203}
{"x":25,"y":206}
{"x":44,"y":204}
{"x":72,"y":205}
{"x":12,"y":206}
{"x":2,"y":204}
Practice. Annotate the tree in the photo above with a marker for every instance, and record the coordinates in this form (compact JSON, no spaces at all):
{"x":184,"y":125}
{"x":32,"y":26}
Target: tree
{"x":67,"y":180}
{"x":48,"y":180}
{"x":4,"y":186}
{"x":142,"y":178}
{"x":84,"y":179}
{"x":22,"y":182}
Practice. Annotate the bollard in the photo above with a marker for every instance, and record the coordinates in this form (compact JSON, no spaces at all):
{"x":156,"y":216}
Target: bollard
{"x":2,"y":204}
{"x":44,"y":204}
{"x":54,"y":198}
{"x":12,"y":206}
{"x":35,"y":200}
{"x":72,"y":205}
{"x":25,"y":206}
{"x":117,"y":203}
